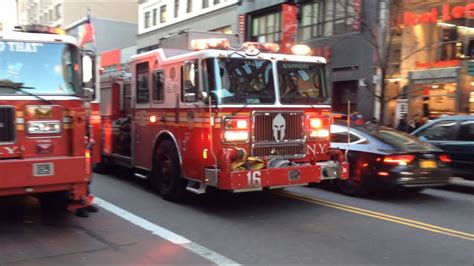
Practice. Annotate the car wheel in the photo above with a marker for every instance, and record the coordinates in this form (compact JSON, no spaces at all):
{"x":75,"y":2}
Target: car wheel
{"x":352,"y":188}
{"x":167,"y":172}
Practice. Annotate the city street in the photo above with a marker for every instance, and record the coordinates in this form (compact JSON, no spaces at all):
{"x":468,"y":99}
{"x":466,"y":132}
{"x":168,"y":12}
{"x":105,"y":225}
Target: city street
{"x":294,"y":226}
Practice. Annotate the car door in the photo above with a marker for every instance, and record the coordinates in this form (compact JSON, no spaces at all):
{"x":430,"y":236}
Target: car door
{"x":357,"y":146}
{"x":461,"y":149}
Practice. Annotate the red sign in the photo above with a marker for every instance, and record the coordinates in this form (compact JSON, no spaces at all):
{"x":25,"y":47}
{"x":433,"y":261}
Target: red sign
{"x":447,"y":13}
{"x":439,"y":64}
{"x":357,"y":10}
{"x":289,"y":26}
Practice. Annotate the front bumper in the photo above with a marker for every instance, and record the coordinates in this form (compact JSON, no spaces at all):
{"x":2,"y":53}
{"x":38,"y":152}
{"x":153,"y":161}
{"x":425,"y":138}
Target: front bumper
{"x":39,"y":175}
{"x":254,"y":180}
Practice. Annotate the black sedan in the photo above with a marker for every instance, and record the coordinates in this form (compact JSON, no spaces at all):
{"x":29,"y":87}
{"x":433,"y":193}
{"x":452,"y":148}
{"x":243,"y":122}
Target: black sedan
{"x":382,"y":158}
{"x":454,"y":135}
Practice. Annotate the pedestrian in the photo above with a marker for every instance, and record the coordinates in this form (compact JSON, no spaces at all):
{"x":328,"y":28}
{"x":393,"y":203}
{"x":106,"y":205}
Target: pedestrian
{"x":414,"y":124}
{"x":402,"y":124}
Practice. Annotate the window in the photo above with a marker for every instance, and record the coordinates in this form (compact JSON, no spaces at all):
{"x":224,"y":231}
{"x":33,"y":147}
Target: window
{"x":158,"y":86}
{"x":266,"y":28}
{"x":216,"y":2}
{"x":176,"y":8}
{"x":466,"y":131}
{"x":205,"y":4}
{"x":163,"y":14}
{"x":142,"y":88}
{"x":189,"y":6}
{"x":438,"y":131}
{"x":57,"y":10}
{"x":147,"y":20}
{"x":190,"y":81}
{"x":341,"y":137}
{"x":326,"y":18}
{"x":448,"y":48}
{"x":155,"y":13}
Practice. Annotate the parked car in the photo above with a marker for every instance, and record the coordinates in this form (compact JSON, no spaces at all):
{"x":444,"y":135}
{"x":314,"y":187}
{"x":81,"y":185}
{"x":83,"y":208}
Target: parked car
{"x":455,"y":135}
{"x":383,"y":158}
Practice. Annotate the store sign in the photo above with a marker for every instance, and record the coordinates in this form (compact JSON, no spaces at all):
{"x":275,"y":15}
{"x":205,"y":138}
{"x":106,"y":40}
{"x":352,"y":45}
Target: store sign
{"x":446,"y":13}
{"x":438,"y":64}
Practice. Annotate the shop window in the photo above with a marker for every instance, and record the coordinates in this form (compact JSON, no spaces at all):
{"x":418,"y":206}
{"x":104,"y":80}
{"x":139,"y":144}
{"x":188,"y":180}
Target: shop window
{"x":266,"y":28}
{"x":158,"y":86}
{"x":205,"y":4}
{"x":142,"y":88}
{"x":163,"y":14}
{"x":466,"y":131}
{"x":439,"y":131}
{"x":448,"y":49}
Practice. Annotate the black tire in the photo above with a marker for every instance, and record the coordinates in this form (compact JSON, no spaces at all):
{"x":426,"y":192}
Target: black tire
{"x":167,"y":178}
{"x":352,"y":188}
{"x":54,"y":201}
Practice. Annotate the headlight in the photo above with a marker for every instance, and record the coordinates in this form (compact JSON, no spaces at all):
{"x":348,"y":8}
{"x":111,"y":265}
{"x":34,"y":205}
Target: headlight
{"x":44,"y":127}
{"x":234,"y":136}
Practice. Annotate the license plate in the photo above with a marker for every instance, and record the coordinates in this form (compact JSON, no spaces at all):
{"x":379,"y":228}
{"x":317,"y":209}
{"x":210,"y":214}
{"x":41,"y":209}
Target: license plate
{"x":43,"y":169}
{"x":428,"y":164}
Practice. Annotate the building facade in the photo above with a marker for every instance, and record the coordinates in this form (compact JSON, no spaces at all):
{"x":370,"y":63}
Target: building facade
{"x":63,"y":13}
{"x":340,"y":30}
{"x":161,"y":18}
{"x":435,"y":49}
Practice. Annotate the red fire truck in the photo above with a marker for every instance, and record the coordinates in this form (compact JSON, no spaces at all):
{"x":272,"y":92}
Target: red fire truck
{"x":198,"y":113}
{"x":44,"y":108}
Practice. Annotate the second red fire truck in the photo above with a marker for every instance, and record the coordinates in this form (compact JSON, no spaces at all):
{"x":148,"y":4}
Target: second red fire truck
{"x":197,"y":113}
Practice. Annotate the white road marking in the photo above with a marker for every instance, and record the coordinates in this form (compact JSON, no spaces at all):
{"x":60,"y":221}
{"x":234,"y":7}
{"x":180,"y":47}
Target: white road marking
{"x":165,"y":233}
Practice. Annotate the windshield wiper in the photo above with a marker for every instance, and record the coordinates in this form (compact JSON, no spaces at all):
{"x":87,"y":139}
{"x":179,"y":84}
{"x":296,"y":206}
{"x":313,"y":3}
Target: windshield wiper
{"x":18,"y":86}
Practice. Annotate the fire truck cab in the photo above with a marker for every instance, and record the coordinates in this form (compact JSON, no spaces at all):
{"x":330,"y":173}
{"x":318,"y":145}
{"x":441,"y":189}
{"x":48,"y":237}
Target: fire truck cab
{"x":200,"y":114}
{"x":44,"y":106}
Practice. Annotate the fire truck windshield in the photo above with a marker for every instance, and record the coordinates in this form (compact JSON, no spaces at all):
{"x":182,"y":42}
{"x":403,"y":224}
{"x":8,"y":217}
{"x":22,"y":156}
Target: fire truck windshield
{"x":239,"y":80}
{"x":302,"y":83}
{"x":44,"y":68}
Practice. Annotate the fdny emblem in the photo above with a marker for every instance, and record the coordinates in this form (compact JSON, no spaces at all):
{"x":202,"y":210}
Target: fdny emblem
{"x":279,"y":127}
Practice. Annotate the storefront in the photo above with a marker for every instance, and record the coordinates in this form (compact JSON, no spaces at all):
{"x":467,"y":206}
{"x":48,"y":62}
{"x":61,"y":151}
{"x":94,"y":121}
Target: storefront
{"x":437,"y":43}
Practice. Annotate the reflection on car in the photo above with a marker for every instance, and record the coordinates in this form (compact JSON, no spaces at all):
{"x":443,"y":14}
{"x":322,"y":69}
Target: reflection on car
{"x":455,"y":135}
{"x":383,"y":158}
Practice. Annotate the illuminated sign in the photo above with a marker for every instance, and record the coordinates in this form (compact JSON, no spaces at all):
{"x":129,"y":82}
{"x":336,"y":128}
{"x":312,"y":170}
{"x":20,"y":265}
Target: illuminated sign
{"x":446,"y":13}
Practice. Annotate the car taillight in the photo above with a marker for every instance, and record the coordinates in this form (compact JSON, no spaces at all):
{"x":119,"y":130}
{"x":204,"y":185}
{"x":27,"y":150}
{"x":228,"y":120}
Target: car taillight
{"x":445,"y":158}
{"x":399,"y":159}
{"x":318,"y":128}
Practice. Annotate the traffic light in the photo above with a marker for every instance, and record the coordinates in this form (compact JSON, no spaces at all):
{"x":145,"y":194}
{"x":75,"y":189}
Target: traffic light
{"x":470,"y":68}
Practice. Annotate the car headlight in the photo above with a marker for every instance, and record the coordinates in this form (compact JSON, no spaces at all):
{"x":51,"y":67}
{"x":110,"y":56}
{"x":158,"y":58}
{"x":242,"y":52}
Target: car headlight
{"x":44,"y":127}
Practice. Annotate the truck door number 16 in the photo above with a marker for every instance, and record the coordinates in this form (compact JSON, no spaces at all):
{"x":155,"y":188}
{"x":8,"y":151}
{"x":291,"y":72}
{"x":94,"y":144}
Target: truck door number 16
{"x":254,"y":179}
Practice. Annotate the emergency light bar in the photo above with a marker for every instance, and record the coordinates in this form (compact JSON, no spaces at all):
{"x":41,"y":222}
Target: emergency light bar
{"x":38,"y":28}
{"x":265,"y":47}
{"x":214,"y":43}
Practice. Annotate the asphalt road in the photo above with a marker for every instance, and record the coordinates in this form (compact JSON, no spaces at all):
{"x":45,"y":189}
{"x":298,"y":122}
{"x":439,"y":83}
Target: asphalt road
{"x":296,"y":226}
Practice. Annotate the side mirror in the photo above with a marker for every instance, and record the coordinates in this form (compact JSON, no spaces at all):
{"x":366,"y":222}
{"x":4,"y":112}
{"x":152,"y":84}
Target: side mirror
{"x":203,"y":96}
{"x":88,"y":74}
{"x":87,"y":69}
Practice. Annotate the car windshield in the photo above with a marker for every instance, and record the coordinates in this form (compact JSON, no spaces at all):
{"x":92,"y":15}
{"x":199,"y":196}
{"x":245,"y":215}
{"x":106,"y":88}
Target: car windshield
{"x":42,"y":68}
{"x":302,"y":83}
{"x":239,"y":80}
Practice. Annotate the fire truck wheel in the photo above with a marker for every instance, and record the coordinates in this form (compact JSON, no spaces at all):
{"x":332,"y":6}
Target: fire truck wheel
{"x":167,"y":172}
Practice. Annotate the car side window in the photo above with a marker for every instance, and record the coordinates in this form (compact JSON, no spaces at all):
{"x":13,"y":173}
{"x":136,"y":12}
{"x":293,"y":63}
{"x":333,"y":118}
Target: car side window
{"x":341,"y":137}
{"x":466,"y":131}
{"x":438,"y":131}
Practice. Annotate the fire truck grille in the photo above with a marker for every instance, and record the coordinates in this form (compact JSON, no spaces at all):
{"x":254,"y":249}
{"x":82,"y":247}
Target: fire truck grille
{"x":266,"y":124}
{"x":278,"y":134}
{"x":7,"y":124}
{"x":296,"y":150}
